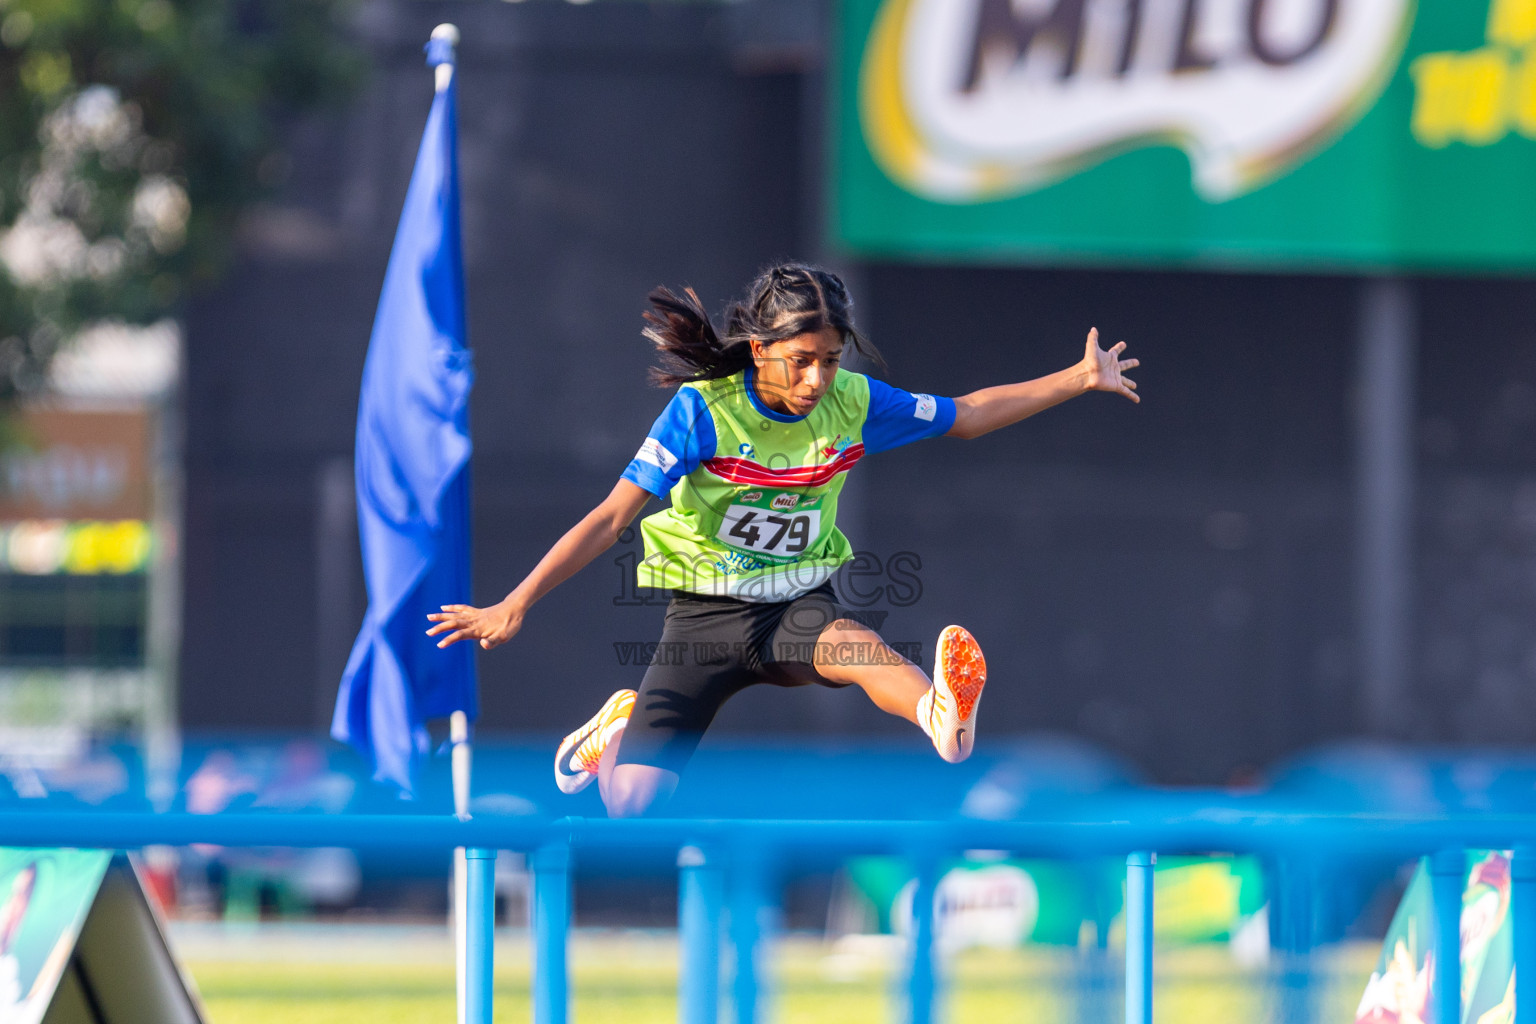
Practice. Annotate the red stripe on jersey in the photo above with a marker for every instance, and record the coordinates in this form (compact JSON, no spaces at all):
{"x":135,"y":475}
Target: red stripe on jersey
{"x":754,"y":474}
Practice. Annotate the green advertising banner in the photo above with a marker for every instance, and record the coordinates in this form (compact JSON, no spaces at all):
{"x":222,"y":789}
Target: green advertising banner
{"x":1400,"y":988}
{"x":79,"y":941}
{"x":44,"y":898}
{"x":1269,"y":134}
{"x":1001,"y":903}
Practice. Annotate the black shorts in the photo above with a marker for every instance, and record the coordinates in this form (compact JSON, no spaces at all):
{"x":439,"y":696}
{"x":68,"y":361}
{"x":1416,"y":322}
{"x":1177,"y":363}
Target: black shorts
{"x":711,"y":649}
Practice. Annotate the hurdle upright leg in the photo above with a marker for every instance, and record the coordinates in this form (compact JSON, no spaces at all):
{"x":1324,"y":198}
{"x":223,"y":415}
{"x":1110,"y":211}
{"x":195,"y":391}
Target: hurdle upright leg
{"x":1295,"y":904}
{"x":480,"y":934}
{"x":1095,"y":989}
{"x":1138,"y":937}
{"x":700,"y":903}
{"x":551,"y":932}
{"x":922,"y":980}
{"x":750,"y":906}
{"x":1447,"y":880}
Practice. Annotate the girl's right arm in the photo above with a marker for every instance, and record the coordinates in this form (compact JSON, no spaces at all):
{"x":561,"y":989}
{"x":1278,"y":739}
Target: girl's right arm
{"x":583,"y":542}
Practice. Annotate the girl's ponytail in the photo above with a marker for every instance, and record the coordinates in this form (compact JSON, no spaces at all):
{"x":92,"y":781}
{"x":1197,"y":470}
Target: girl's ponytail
{"x":686,"y":340}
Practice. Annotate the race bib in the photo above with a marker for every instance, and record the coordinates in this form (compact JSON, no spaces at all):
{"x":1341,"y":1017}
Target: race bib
{"x":775,"y":527}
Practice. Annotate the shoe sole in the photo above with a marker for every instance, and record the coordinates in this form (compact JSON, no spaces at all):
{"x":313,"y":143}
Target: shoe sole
{"x":961,"y":669}
{"x":566,"y":779}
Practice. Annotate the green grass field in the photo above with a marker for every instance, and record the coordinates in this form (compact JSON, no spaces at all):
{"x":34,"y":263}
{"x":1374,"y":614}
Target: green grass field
{"x":632,"y":977}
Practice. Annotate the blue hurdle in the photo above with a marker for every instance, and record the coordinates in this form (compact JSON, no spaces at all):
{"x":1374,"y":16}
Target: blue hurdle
{"x":726,"y":863}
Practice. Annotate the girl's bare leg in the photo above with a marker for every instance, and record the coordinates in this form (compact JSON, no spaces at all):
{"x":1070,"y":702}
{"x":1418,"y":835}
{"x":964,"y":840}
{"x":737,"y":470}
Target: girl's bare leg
{"x":847,"y":652}
{"x":629,"y":790}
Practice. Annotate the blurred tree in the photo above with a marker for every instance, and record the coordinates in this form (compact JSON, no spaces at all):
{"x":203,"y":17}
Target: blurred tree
{"x":132,"y":133}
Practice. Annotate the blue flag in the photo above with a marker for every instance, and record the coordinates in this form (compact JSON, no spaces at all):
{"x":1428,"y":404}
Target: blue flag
{"x":412,"y":468}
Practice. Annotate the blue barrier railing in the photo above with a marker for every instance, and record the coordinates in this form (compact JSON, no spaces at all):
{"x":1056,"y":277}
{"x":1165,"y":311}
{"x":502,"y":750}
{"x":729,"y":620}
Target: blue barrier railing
{"x":728,"y":864}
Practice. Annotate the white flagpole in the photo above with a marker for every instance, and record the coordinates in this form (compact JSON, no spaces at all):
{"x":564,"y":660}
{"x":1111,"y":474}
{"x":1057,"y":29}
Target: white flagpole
{"x":458,"y":722}
{"x":458,"y":726}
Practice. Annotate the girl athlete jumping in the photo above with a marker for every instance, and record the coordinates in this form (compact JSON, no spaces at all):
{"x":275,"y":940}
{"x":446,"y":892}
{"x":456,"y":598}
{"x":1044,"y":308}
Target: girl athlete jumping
{"x":752,"y":449}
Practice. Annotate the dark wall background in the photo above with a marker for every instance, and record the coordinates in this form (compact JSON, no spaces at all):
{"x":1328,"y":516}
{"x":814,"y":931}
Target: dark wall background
{"x":1172,"y":580}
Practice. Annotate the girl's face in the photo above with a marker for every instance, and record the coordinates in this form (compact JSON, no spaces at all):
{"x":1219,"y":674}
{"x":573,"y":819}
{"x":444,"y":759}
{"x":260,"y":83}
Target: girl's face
{"x":793,"y":374}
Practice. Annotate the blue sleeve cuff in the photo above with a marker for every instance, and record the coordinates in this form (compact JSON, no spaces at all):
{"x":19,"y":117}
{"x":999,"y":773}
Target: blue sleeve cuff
{"x":944,"y":419}
{"x":647,"y":478}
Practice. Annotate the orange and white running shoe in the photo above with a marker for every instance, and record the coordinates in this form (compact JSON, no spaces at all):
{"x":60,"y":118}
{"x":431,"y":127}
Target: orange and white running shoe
{"x":577,"y":758}
{"x":947,"y":712}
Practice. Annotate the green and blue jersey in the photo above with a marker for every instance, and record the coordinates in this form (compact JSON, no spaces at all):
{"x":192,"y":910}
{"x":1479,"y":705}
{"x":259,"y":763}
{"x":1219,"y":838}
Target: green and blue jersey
{"x":754,"y":491}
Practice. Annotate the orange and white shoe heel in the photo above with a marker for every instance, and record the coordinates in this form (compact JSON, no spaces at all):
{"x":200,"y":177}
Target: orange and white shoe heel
{"x":948,"y":711}
{"x":579,"y":754}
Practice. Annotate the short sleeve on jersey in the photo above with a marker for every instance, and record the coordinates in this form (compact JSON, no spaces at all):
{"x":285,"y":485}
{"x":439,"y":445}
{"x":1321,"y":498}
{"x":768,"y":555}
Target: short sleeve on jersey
{"x":682,"y":437}
{"x":898,"y":417}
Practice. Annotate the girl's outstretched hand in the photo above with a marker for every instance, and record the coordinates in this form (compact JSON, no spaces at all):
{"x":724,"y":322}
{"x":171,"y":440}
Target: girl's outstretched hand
{"x":492,"y":626}
{"x":1105,"y":371}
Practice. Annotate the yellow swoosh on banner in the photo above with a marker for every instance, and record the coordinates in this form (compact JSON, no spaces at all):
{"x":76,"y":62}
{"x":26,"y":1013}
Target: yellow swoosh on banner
{"x":893,"y":139}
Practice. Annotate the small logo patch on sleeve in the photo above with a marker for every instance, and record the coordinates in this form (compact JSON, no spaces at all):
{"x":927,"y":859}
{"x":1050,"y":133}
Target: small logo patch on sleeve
{"x":927,"y":407}
{"x":654,"y":452}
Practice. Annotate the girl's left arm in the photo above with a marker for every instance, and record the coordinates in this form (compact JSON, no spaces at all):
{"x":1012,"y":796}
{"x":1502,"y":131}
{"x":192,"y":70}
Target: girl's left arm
{"x":983,"y":411}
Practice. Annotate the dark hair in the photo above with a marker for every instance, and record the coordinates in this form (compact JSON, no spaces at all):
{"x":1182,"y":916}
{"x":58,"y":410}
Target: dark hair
{"x":784,"y":301}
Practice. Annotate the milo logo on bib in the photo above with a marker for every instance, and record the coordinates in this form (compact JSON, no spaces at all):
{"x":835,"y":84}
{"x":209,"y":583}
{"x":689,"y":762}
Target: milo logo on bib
{"x":771,"y":525}
{"x":784,"y":502}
